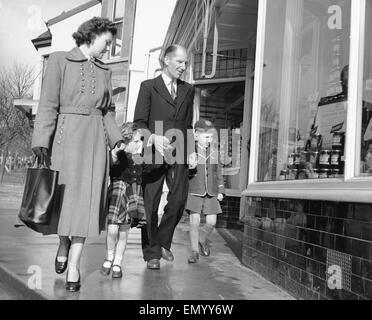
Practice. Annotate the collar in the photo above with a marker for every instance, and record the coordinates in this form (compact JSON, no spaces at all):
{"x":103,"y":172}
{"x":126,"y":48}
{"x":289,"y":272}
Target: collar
{"x":168,"y":80}
{"x":77,"y":55}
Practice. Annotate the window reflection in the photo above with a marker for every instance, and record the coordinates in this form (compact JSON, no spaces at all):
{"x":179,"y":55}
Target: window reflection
{"x":304,"y":90}
{"x":366,"y":127}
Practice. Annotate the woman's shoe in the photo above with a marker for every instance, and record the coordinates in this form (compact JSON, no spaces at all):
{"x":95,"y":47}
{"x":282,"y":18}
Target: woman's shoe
{"x":116,"y":274}
{"x":60,"y":267}
{"x":73,"y":286}
{"x":106,"y":270}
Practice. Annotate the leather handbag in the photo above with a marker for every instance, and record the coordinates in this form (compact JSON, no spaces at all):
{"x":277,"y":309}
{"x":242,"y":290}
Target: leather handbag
{"x":38,"y":197}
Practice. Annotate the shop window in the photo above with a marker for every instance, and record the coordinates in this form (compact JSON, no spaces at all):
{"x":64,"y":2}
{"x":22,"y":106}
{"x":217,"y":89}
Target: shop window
{"x":223,"y":104}
{"x":230,"y":64}
{"x":304,"y":90}
{"x":366,"y":127}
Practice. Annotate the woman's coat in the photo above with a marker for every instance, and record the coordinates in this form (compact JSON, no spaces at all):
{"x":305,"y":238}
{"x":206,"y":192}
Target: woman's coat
{"x":73,"y":122}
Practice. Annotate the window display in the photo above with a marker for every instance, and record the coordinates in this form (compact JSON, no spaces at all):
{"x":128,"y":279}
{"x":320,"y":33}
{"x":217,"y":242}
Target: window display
{"x":304,"y":90}
{"x":365,"y":164}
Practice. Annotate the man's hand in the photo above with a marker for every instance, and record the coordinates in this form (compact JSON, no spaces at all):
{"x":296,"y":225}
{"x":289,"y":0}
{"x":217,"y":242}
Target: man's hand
{"x":161,"y":143}
{"x":220,"y":197}
{"x":193,"y":160}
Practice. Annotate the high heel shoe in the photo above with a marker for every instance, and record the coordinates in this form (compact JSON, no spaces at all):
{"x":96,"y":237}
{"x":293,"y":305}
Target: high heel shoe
{"x":60,"y":267}
{"x":73,"y":286}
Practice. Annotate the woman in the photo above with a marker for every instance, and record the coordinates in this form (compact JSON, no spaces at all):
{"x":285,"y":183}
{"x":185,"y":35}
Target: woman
{"x":73,"y":127}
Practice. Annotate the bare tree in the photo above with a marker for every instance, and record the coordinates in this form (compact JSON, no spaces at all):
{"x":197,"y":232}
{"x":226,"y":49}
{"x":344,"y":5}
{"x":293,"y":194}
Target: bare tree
{"x":15,"y":83}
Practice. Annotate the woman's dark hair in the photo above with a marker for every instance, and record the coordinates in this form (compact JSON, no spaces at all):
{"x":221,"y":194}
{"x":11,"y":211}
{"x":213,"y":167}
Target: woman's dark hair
{"x":88,"y":30}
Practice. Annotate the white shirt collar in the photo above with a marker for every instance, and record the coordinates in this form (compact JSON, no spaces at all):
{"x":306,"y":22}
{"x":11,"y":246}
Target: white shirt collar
{"x":168,"y":80}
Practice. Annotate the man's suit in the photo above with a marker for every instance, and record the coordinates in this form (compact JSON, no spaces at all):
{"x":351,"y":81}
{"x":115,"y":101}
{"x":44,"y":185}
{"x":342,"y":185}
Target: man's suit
{"x":155,"y":103}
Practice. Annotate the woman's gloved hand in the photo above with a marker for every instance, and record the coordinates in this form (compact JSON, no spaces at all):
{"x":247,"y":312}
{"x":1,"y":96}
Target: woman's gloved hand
{"x":42,"y":155}
{"x":120,"y":145}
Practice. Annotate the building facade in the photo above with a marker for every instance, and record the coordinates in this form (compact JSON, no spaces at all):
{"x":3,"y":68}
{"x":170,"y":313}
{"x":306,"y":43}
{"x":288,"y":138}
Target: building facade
{"x":133,"y":56}
{"x":289,"y":84}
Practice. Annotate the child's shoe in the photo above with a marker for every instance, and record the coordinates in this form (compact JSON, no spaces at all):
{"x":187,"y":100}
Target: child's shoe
{"x":194,"y":257}
{"x":106,"y":267}
{"x":204,"y":249}
{"x":116,"y":273}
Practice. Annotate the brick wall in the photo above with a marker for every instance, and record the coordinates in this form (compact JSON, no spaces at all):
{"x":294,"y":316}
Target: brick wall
{"x":292,"y":243}
{"x":229,"y":218}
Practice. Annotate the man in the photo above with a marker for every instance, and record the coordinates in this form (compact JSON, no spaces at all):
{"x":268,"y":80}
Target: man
{"x":165,"y":104}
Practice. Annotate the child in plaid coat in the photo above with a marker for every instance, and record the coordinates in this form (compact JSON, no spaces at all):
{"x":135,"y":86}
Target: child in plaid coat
{"x":125,"y":199}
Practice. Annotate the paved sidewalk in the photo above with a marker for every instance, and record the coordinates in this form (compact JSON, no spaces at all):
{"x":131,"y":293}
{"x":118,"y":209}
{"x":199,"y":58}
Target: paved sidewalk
{"x":218,"y":277}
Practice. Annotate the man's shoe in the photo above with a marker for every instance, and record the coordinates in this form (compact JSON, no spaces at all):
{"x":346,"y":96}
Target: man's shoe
{"x":60,"y":267}
{"x":204,"y":249}
{"x":194,"y":257}
{"x":166,"y":254}
{"x":153,"y":264}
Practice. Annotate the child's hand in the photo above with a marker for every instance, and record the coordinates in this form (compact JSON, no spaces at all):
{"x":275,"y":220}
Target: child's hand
{"x":193,"y":160}
{"x":114,"y":152}
{"x":220,"y":197}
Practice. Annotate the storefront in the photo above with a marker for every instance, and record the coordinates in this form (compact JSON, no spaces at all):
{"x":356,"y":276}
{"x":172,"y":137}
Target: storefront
{"x":299,"y":93}
{"x":221,"y":68}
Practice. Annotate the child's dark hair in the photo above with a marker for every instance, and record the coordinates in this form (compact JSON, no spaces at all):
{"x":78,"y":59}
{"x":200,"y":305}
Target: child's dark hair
{"x":90,"y":29}
{"x":127,"y":130}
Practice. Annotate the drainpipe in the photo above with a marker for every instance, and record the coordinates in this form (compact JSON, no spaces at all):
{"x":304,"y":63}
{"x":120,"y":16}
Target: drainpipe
{"x":209,"y":8}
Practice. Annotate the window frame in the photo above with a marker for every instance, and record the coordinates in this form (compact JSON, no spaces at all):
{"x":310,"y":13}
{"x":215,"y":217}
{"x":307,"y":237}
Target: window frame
{"x":350,"y":187}
{"x":116,"y":22}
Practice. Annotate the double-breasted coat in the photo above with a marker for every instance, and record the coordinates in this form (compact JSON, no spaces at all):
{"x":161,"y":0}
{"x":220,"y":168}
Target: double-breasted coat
{"x":73,"y":122}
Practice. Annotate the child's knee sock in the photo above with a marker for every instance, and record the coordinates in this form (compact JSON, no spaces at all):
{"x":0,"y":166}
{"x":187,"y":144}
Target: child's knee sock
{"x":110,"y":257}
{"x":207,"y":230}
{"x":194,"y":236}
{"x":121,"y":246}
{"x":194,"y":230}
{"x":117,"y":260}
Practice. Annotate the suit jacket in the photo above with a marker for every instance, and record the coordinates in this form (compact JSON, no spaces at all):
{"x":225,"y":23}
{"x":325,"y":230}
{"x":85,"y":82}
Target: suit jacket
{"x":206,"y":178}
{"x":155,"y":103}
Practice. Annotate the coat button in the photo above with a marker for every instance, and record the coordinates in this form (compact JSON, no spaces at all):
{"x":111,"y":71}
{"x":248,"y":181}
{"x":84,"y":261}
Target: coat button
{"x":93,"y":91}
{"x":92,"y":70}
{"x":93,"y":86}
{"x":93,"y":80}
{"x":82,"y":91}
{"x":82,"y":73}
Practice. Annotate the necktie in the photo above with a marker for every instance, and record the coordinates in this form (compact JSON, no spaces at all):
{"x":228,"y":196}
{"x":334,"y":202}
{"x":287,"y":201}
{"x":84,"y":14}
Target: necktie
{"x":173,"y":92}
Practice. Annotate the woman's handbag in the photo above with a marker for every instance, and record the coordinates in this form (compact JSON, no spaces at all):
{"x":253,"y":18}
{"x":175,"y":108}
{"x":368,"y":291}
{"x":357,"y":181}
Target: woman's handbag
{"x":38,"y":197}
